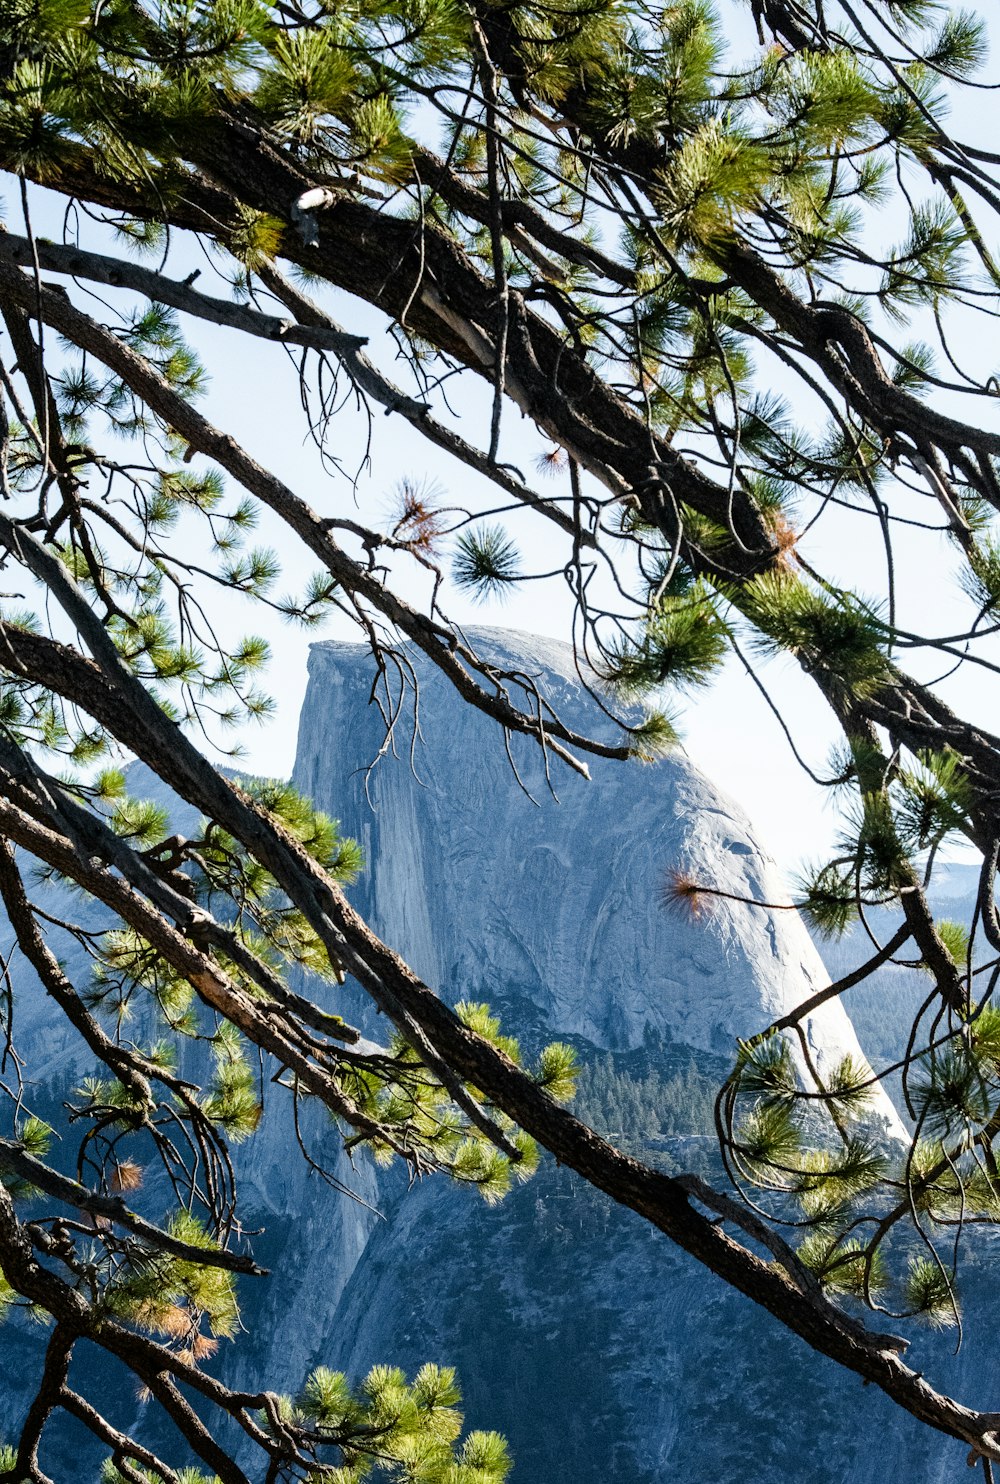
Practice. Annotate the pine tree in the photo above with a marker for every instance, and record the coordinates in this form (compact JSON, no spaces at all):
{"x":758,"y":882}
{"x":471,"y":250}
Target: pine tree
{"x":667,"y":250}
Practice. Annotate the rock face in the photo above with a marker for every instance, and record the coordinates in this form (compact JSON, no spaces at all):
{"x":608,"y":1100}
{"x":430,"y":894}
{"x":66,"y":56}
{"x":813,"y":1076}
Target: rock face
{"x":556,"y":903}
{"x":601,"y":1352}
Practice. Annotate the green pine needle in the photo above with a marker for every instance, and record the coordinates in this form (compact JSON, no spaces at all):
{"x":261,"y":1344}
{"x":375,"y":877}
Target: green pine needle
{"x":929,"y":1293}
{"x":486,"y":563}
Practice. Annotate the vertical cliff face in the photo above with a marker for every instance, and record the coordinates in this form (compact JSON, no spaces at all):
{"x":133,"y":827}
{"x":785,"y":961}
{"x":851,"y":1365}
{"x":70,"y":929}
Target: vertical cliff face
{"x":600,"y":1351}
{"x":553,"y":899}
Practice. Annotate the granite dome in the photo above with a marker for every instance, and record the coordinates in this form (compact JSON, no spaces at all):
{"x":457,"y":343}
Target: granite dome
{"x":555,"y":895}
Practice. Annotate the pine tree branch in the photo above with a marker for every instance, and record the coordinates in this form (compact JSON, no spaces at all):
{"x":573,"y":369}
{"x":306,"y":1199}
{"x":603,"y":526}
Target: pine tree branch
{"x":657,"y":1197}
{"x":123,"y":1446}
{"x":118,"y":273}
{"x":376,"y":256}
{"x":113,"y":1209}
{"x":436,"y":642}
{"x":371,"y":381}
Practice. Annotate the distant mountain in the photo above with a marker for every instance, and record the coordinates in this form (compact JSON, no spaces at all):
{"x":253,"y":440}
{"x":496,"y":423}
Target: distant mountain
{"x":602,"y":1352}
{"x":597,"y":1348}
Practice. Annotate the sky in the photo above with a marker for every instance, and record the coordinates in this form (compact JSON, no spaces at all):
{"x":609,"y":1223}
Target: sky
{"x":260,"y":405}
{"x":728,"y":729}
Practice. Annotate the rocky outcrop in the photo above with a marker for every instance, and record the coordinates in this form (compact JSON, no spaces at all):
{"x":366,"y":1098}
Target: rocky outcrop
{"x":597,"y":1348}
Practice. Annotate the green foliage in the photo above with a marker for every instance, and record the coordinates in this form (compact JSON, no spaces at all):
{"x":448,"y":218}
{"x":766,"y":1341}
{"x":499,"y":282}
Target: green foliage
{"x":233,"y":1099}
{"x":139,"y":820}
{"x":311,"y":77}
{"x":329,"y":1400}
{"x":172,"y":1296}
{"x":844,"y":1266}
{"x":558,"y":1070}
{"x":953,"y":1093}
{"x":926,"y":266}
{"x":961,"y":46}
{"x":110,"y":1101}
{"x":980,"y":575}
{"x":683,"y":643}
{"x":479,"y":1018}
{"x":879,"y":851}
{"x":256,"y":239}
{"x":111,"y":1475}
{"x":631,"y":1105}
{"x":653,"y":737}
{"x":395,"y":1431}
{"x":764,"y":1069}
{"x":35,"y":1137}
{"x":828,"y":899}
{"x":828,"y":96}
{"x":315,"y":831}
{"x":718,"y":170}
{"x":911,"y":371}
{"x":221,"y":871}
{"x":930,"y":1294}
{"x":746,"y":190}
{"x":850,"y":1086}
{"x":253,"y":572}
{"x":376,"y":137}
{"x":828,"y":1181}
{"x":840,"y":635}
{"x":955,"y":937}
{"x":769,"y":1137}
{"x":983,"y":1034}
{"x":781,"y":1139}
{"x":935,"y":799}
{"x":8,"y":1296}
{"x":482,"y":1165}
{"x":486,"y":562}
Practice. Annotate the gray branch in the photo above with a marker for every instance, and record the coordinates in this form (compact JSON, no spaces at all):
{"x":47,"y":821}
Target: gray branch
{"x":117,"y":274}
{"x":15,"y":1159}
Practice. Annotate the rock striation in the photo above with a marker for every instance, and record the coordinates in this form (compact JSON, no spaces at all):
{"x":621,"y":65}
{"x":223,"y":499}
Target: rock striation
{"x":599,"y":1350}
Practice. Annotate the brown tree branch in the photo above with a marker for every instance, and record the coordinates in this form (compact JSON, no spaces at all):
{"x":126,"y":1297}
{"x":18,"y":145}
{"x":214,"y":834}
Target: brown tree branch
{"x":661,"y":1200}
{"x":112,"y":1208}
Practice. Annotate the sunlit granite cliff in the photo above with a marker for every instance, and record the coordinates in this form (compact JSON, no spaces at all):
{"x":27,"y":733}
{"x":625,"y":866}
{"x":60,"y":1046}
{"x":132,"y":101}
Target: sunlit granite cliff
{"x":551,"y":900}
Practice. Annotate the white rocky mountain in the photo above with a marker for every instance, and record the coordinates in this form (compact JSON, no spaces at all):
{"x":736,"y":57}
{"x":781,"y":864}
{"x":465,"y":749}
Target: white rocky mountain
{"x":556,"y":896}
